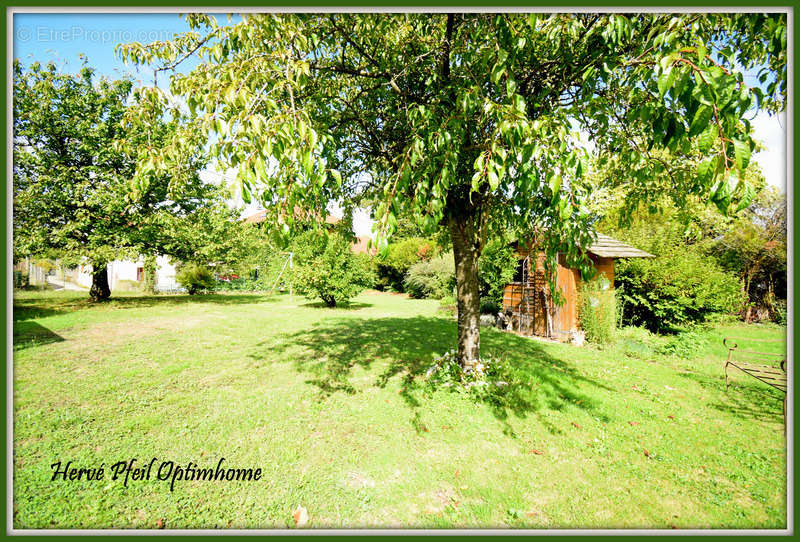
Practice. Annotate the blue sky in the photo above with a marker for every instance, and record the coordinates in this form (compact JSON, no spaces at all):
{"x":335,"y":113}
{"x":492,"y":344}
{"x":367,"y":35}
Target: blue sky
{"x":62,"y":37}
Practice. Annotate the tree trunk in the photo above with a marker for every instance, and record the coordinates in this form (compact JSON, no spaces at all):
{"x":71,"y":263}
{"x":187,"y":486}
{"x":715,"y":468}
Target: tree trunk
{"x":466,"y":250}
{"x":100,"y":290}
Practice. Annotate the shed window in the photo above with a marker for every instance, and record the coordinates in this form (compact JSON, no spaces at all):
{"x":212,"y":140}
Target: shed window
{"x":518,"y":270}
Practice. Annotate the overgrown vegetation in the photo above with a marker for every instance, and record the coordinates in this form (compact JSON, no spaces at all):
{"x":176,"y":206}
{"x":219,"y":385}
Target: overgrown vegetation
{"x":680,"y":287}
{"x":496,"y":268}
{"x":597,"y":311}
{"x":393,"y":267}
{"x":434,"y":278}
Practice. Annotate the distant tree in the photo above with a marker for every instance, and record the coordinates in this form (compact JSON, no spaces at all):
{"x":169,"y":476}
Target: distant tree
{"x":464,"y":121}
{"x":72,"y":183}
{"x":327,"y":268}
{"x":754,"y":247}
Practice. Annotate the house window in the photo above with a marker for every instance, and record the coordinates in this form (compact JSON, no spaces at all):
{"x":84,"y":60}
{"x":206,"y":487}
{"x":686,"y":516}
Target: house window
{"x":140,"y":274}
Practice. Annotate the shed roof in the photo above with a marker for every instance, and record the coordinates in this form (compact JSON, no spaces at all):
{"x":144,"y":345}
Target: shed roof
{"x":606,"y":247}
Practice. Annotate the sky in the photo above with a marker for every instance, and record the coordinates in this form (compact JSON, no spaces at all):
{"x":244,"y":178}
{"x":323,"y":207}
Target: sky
{"x":62,"y":38}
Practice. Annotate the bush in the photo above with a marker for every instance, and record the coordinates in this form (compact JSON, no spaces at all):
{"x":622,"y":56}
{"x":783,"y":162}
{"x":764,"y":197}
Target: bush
{"x":597,"y":311}
{"x":328,"y":269}
{"x":434,"y":278}
{"x":392,"y":268}
{"x":490,"y":306}
{"x":679,"y":288}
{"x":779,"y":314}
{"x":20,"y":279}
{"x":496,"y":268}
{"x":195,"y":278}
{"x":685,"y":344}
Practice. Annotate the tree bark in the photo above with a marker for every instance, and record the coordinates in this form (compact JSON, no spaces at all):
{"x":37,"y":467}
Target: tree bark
{"x":100,"y":290}
{"x":466,"y":250}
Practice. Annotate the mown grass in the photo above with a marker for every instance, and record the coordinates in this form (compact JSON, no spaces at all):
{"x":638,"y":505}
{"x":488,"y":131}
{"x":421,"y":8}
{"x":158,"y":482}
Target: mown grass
{"x":329,"y":404}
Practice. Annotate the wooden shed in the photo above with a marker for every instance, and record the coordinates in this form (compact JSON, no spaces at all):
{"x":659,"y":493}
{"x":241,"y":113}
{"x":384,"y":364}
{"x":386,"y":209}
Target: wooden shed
{"x":528,"y":299}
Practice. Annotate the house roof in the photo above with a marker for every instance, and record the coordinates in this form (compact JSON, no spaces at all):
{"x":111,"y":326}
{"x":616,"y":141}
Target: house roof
{"x":260,"y":216}
{"x":606,"y":247}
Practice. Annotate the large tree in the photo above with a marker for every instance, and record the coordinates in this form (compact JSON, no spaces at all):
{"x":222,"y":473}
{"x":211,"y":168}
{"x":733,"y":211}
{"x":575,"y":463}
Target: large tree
{"x":72,"y":179}
{"x":466,"y":121}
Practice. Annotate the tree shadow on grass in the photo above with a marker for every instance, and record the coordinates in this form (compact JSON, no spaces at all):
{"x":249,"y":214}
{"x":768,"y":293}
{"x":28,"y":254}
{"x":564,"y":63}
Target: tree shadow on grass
{"x":345,"y":307}
{"x":745,"y":400}
{"x":42,"y":306}
{"x":28,"y":334}
{"x":535,"y":380}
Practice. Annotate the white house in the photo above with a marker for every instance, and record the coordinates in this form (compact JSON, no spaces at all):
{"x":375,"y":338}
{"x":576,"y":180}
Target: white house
{"x":131,"y":271}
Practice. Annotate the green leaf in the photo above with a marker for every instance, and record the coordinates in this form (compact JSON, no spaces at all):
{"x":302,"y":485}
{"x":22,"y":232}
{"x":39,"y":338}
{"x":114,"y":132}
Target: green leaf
{"x":747,"y":197}
{"x":700,"y":120}
{"x":336,"y":177}
{"x":494,"y":180}
{"x":707,"y":138}
{"x":665,"y":81}
{"x":705,"y":171}
{"x":555,"y":184}
{"x":742,"y":153}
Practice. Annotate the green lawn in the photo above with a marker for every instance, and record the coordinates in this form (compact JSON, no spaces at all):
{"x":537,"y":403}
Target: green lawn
{"x":329,"y":404}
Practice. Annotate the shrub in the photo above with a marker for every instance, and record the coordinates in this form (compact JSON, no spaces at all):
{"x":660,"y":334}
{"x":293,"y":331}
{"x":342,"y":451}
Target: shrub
{"x":679,"y":288}
{"x":434,"y":278}
{"x":490,"y":306}
{"x":685,"y":344}
{"x":392,"y":268}
{"x":331,"y":272}
{"x":779,"y":314}
{"x":20,"y":279}
{"x":496,"y":268}
{"x":195,"y":278}
{"x":597,"y":310}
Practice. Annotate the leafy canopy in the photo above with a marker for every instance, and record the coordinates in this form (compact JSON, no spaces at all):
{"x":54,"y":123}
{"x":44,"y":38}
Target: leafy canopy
{"x":72,"y":182}
{"x":432,"y":114}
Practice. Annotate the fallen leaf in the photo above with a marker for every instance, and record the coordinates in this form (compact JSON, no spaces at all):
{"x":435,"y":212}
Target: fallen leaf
{"x":646,"y":453}
{"x":634,"y":423}
{"x":635,"y":387}
{"x":671,"y":417}
{"x":160,"y":523}
{"x":576,"y":425}
{"x":535,"y":451}
{"x":300,"y":516}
